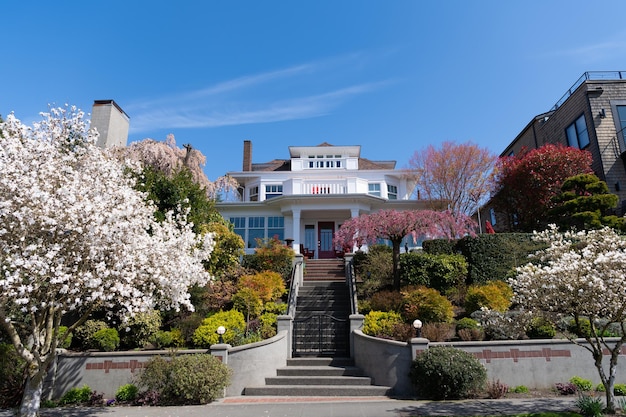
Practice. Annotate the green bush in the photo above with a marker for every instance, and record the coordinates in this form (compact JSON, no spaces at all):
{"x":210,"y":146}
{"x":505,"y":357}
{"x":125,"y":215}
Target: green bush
{"x":589,"y":406}
{"x":267,"y":325}
{"x":381,"y":323}
{"x":12,"y":376}
{"x":467,"y":323}
{"x":83,"y":335}
{"x":185,"y":379}
{"x":168,"y":339}
{"x":67,"y":340}
{"x":541,"y":328}
{"x":275,"y":308}
{"x":127,"y":393}
{"x":206,"y":335}
{"x":494,"y":295}
{"x":76,"y":396}
{"x":375,"y":270}
{"x":440,"y":246}
{"x":443,"y":372}
{"x":426,"y":304}
{"x":106,"y":340}
{"x":520,"y":389}
{"x":493,"y":256}
{"x":140,"y":329}
{"x":440,"y":272}
{"x":582,"y":384}
{"x":386,"y":300}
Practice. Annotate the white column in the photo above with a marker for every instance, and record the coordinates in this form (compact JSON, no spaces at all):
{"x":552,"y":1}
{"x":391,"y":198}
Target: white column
{"x":296,"y":231}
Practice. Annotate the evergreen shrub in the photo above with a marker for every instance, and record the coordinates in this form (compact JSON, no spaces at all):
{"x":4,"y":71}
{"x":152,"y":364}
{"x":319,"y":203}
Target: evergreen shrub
{"x":185,"y":379}
{"x":83,"y":335}
{"x":386,"y":300}
{"x":440,"y":271}
{"x":106,"y":340}
{"x":443,"y":372}
{"x":494,"y":295}
{"x":126,"y":393}
{"x":426,"y":304}
{"x":140,"y":329}
{"x":76,"y":396}
{"x":206,"y":335}
{"x":381,"y":323}
{"x":493,"y":256}
{"x":541,"y":328}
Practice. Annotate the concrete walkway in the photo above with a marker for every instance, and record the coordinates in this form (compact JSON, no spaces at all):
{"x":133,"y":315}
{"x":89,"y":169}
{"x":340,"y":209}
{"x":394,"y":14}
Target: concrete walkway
{"x":326,"y":407}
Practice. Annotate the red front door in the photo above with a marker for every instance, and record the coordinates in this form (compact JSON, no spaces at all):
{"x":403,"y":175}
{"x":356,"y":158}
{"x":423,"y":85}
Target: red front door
{"x":325,"y":234}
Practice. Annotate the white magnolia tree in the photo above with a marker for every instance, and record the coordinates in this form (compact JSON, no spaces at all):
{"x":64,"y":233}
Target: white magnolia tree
{"x":75,"y":236}
{"x":581,"y":275}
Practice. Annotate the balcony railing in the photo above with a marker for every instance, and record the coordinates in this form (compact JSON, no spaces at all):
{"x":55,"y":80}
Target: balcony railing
{"x":590,"y":75}
{"x":324,"y":188}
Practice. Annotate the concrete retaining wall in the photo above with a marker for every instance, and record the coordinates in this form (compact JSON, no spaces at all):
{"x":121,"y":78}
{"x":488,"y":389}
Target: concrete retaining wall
{"x":533,"y":363}
{"x":105,"y":372}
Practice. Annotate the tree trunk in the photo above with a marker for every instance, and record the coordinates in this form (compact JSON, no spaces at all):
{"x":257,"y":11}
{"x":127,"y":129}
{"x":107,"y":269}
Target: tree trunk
{"x":396,"y":262}
{"x":31,"y":400}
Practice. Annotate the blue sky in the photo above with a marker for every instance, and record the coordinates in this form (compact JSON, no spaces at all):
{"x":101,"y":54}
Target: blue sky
{"x":392,"y":76}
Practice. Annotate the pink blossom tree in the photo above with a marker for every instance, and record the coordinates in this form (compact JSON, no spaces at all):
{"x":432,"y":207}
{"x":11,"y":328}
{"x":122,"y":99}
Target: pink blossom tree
{"x":581,"y":275}
{"x":394,"y":225}
{"x":76,"y":236}
{"x":168,"y":158}
{"x":455,"y":173}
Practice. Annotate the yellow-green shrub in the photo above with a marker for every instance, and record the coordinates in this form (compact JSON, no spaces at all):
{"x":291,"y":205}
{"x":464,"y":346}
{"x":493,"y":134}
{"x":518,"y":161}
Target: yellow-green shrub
{"x":206,"y":335}
{"x":494,"y":295}
{"x":381,"y":323}
{"x":426,"y":304}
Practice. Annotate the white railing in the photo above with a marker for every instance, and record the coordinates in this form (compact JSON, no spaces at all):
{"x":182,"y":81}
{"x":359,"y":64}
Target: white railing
{"x":324,"y":188}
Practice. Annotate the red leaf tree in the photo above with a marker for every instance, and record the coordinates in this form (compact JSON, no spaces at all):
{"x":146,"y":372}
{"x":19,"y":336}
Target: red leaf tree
{"x":394,"y":225}
{"x":524,"y":185}
{"x":456,"y":173}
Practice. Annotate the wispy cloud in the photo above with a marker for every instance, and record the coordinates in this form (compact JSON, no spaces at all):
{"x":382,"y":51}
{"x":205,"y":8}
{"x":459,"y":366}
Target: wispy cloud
{"x":596,"y":52}
{"x":238,"y":101}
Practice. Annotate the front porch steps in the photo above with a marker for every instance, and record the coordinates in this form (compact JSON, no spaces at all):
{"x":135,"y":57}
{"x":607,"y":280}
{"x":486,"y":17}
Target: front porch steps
{"x":323,"y":377}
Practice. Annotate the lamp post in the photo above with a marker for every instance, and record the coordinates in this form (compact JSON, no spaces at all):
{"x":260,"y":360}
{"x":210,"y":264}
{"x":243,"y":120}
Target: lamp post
{"x":417,"y":325}
{"x":220,"y":331}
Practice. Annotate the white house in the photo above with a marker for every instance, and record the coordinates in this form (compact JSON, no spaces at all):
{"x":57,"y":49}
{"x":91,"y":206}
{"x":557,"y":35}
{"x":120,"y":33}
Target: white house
{"x":303,"y":200}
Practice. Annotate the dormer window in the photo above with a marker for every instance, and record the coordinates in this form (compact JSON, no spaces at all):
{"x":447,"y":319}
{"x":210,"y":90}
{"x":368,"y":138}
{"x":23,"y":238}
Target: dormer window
{"x":324,"y":161}
{"x":373,"y":189}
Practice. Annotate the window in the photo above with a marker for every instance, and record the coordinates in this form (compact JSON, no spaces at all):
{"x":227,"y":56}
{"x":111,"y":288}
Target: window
{"x":272,"y":191}
{"x":256,"y":230}
{"x":577,"y":135}
{"x":239,"y":224}
{"x":254,"y":193}
{"x":492,"y":216}
{"x":392,"y":192}
{"x":324,"y":161}
{"x":373,"y":189}
{"x":276,"y":227}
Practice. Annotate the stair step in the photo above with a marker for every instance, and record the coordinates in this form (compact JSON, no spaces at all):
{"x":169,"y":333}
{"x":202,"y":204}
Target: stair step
{"x":328,"y":371}
{"x":336,"y":361}
{"x":319,"y":390}
{"x":318,"y":380}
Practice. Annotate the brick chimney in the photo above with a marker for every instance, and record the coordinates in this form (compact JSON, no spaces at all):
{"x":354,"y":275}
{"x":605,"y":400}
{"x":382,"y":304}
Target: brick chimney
{"x":247,"y":155}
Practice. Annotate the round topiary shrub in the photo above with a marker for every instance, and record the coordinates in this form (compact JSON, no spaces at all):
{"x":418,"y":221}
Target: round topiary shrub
{"x":206,"y":335}
{"x":443,"y":372}
{"x":381,"y":323}
{"x":83,"y":335}
{"x":541,"y":328}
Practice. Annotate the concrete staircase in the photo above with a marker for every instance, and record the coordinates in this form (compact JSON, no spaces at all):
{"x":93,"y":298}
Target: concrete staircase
{"x":322,"y":377}
{"x":324,"y":270}
{"x":323,"y":307}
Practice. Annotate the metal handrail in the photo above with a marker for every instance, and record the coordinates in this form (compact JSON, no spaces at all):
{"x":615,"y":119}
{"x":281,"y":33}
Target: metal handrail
{"x":589,"y":75}
{"x":351,"y":282}
{"x":294,"y":286}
